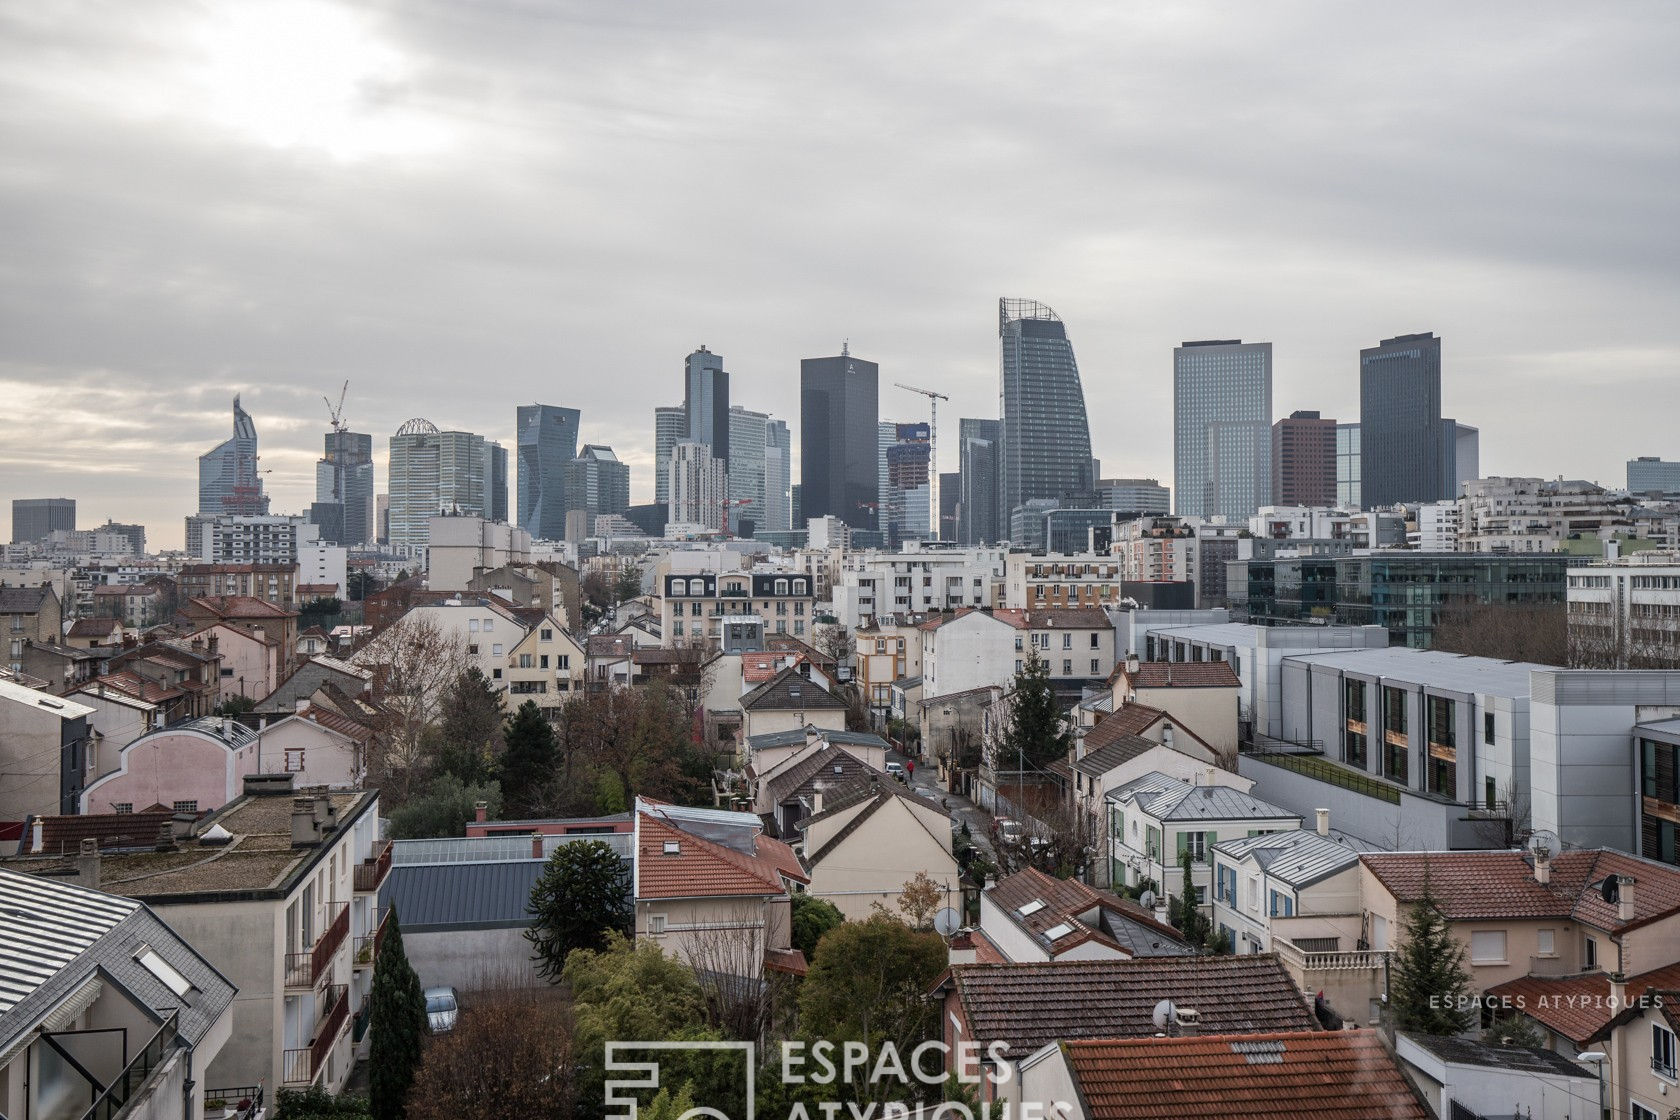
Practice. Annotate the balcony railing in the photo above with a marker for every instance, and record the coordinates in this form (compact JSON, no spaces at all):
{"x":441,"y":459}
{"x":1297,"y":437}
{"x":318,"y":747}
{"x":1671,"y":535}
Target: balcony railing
{"x":301,"y":1065}
{"x":236,"y":1102}
{"x":1357,"y":960}
{"x":1547,"y":966}
{"x":134,"y":1076}
{"x":369,"y":944}
{"x":303,"y":969}
{"x":1662,"y":1068}
{"x":371,"y":872}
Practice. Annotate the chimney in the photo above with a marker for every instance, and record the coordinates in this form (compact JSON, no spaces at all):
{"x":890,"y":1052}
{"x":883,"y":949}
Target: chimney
{"x":35,"y":836}
{"x":1624,"y":900}
{"x":816,"y":801}
{"x":1166,"y":735}
{"x":321,"y":809}
{"x":87,"y":864}
{"x":481,"y":811}
{"x":305,"y":833}
{"x":1618,"y":991}
{"x":1321,"y":820}
{"x":165,"y":841}
{"x":301,"y":703}
{"x":1189,"y":1021}
{"x":1211,"y":771}
{"x":1542,"y":865}
{"x":227,"y":728}
{"x":181,"y":826}
{"x":1161,"y":911}
{"x":1131,"y":663}
{"x":536,"y":844}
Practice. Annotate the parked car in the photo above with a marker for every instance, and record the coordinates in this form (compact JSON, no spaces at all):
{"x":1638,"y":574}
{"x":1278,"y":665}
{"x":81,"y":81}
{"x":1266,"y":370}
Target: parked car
{"x":443,"y":1007}
{"x":1007,"y":829}
{"x":896,"y":769}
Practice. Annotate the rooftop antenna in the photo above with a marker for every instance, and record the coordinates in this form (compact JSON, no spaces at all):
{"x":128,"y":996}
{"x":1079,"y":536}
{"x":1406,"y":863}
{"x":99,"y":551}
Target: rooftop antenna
{"x":845,"y":347}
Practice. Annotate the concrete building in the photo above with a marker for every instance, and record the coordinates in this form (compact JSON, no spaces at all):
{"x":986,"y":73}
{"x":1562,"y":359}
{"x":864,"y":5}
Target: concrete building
{"x":433,"y":472}
{"x":1439,"y":525}
{"x":748,"y":439}
{"x":233,"y":539}
{"x":979,"y":483}
{"x":1222,"y":418}
{"x":1304,"y":460}
{"x":272,"y":583}
{"x":1400,"y":428}
{"x":706,"y":401}
{"x":670,"y":427}
{"x":838,"y":411}
{"x":548,"y":665}
{"x":461,"y":545}
{"x":1134,"y":496}
{"x":1520,"y":515}
{"x":1467,"y":458}
{"x":44,"y":745}
{"x":1046,"y":434}
{"x":695,"y":608}
{"x":34,"y":519}
{"x":699,"y":486}
{"x":344,"y":478}
{"x":1647,"y":475}
{"x":915,"y":581}
{"x":1155,"y":821}
{"x":547,"y":444}
{"x":597,"y":484}
{"x":1177,"y":549}
{"x":868,"y":837}
{"x":778,"y":477}
{"x":1040,"y":582}
{"x":1625,"y":613}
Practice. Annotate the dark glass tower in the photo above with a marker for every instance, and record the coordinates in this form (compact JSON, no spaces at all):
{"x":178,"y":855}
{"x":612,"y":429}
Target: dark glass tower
{"x":706,"y":401}
{"x":839,"y":474}
{"x":548,"y":441}
{"x":1400,"y":429}
{"x":1046,"y":439}
{"x":977,"y":481}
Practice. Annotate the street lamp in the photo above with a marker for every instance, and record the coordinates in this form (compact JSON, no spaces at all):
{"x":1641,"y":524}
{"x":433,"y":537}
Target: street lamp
{"x":1597,"y":1058}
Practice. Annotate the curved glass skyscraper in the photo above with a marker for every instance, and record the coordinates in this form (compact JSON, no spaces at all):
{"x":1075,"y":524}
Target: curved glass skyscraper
{"x":1046,"y":438}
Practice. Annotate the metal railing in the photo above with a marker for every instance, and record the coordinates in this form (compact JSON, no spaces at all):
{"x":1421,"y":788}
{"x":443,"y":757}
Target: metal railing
{"x":303,"y":969}
{"x":369,"y":944}
{"x":372,"y":871}
{"x":122,"y":1089}
{"x":299,"y":1066}
{"x":237,"y":1102}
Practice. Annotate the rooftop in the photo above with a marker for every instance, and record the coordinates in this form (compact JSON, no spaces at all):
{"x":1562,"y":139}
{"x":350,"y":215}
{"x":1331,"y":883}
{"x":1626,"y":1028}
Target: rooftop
{"x":1041,"y":903}
{"x":43,"y":701}
{"x":1167,"y":799}
{"x":1580,"y":1008}
{"x":1182,"y":674}
{"x":1467,"y":1052}
{"x":674,"y":861}
{"x":788,"y":691}
{"x":1298,"y":856}
{"x":1436,"y":669}
{"x":443,"y":896}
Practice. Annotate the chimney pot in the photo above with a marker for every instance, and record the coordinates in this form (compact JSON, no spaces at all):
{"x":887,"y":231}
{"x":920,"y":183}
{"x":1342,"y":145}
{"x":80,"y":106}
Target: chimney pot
{"x":306,"y":833}
{"x":87,"y":863}
{"x":1542,"y":867}
{"x":1322,"y":821}
{"x":35,"y":836}
{"x":536,"y":844}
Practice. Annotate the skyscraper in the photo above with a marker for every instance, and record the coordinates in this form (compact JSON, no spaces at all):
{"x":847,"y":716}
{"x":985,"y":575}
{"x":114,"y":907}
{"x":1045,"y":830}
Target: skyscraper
{"x":344,"y":477}
{"x":909,"y":493}
{"x":838,"y":455}
{"x":697,"y":486}
{"x":1046,"y":437}
{"x":1648,"y":474}
{"x":434,"y":472}
{"x":978,"y":492}
{"x":1304,"y":460}
{"x":670,"y":427}
{"x":548,"y":440}
{"x":1400,"y":420}
{"x":1349,"y":492}
{"x":228,"y":481}
{"x":706,"y":401}
{"x":597,"y":483}
{"x":1222,"y":428}
{"x":748,"y":436}
{"x":495,"y":481}
{"x":778,"y":477}
{"x":33,"y":519}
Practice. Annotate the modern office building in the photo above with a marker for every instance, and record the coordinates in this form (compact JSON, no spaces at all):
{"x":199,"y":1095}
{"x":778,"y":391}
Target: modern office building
{"x":950,"y":483}
{"x":908,"y":493}
{"x":1400,"y":430}
{"x":748,"y":436}
{"x":434,"y":472}
{"x":670,"y":427}
{"x":548,"y":442}
{"x":344,"y":478}
{"x":1222,"y":419}
{"x":1046,"y":435}
{"x":839,"y":399}
{"x":706,"y":401}
{"x":1646,"y":475}
{"x":979,"y":481}
{"x":1304,"y":460}
{"x":1467,"y":457}
{"x":1625,"y":614}
{"x":778,"y":477}
{"x":1349,"y":492}
{"x":496,"y":481}
{"x":228,"y":479}
{"x":597,"y":483}
{"x":1134,"y":495}
{"x":698,"y":487}
{"x":33,"y":519}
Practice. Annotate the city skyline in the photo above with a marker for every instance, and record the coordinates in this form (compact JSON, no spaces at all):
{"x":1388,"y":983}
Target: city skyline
{"x":464,"y":289}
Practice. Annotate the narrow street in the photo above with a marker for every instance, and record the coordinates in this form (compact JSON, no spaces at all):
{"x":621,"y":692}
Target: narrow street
{"x":967,"y":812}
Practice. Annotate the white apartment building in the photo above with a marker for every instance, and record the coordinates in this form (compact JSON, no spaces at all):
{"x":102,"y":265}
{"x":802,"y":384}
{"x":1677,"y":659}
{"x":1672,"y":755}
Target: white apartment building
{"x":1501,"y":514}
{"x":916,"y":581}
{"x":230,"y":539}
{"x":1438,"y":527}
{"x":699,"y":487}
{"x":1040,"y":582}
{"x":1625,"y":614}
{"x":461,"y":544}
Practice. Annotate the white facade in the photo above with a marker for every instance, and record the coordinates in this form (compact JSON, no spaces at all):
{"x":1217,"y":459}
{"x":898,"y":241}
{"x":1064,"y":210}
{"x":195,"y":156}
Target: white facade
{"x":698,"y":486}
{"x":914,"y":581}
{"x":1626,"y":614}
{"x":256,"y":540}
{"x":461,"y":544}
{"x":1506,"y":515}
{"x":1438,"y":525}
{"x":325,"y":563}
{"x":973,"y":651}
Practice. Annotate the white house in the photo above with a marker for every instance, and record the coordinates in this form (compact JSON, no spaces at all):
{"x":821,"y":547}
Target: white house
{"x":1156,"y":819}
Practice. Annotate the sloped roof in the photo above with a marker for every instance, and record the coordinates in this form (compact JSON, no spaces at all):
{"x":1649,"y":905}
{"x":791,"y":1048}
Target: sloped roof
{"x":239,"y":606}
{"x":1063,"y":900}
{"x":703,"y":868}
{"x":1469,"y":1052}
{"x":431,"y":897}
{"x":1183,"y":674}
{"x":94,"y":627}
{"x":1579,"y":1007}
{"x":1030,"y":1004}
{"x":1501,"y":885}
{"x":1298,"y":856}
{"x":1117,"y":751}
{"x":1167,"y":799}
{"x":826,"y":763}
{"x":336,"y":721}
{"x":64,"y":835}
{"x":827,"y":735}
{"x":1055,"y":618}
{"x":788,"y":691}
{"x":1339,"y":1075}
{"x":23,"y":600}
{"x":1134,"y":719}
{"x":879,"y":792}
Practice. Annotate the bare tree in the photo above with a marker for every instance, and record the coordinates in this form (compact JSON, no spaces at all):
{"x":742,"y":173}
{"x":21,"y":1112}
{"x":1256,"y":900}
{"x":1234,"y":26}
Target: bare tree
{"x":510,"y":1057}
{"x":744,"y":1000}
{"x":1537,"y":632}
{"x":413,"y":661}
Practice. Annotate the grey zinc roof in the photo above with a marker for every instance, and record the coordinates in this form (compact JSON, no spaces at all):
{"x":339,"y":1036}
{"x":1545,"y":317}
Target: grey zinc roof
{"x":788,"y":691}
{"x":56,"y":936}
{"x":798,"y":735}
{"x":1297,"y":856}
{"x":1435,"y":669}
{"x":450,"y":896}
{"x":1168,"y":799}
{"x":1140,"y":940}
{"x":1465,"y":1052}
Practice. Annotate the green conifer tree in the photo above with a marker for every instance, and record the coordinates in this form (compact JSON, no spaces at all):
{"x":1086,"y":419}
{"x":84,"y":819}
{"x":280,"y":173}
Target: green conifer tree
{"x":1429,"y":987}
{"x":397,"y":1022}
{"x":1035,"y":734}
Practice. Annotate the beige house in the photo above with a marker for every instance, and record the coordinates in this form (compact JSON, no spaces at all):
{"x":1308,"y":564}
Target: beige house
{"x":719,"y":901}
{"x":885,"y":649}
{"x":866,"y":840}
{"x":787,"y":769}
{"x":548,"y":666}
{"x":548,"y":584}
{"x":253,"y":663}
{"x":1201,"y":695}
{"x":789,"y":701}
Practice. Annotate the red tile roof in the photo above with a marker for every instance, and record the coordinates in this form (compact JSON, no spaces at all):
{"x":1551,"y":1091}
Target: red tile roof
{"x":64,"y":835}
{"x":1133,"y":719}
{"x":1579,"y":1007}
{"x":1183,"y":674}
{"x":1056,"y":618}
{"x":702,"y":868}
{"x":790,"y":961}
{"x":239,"y":606}
{"x":334,"y":721}
{"x":132,"y":684}
{"x":756,"y":668}
{"x":1064,"y":900}
{"x":1501,"y":885}
{"x":94,"y":627}
{"x":1340,"y":1075}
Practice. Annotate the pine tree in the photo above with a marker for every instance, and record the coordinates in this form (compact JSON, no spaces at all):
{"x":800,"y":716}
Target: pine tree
{"x":532,"y":758}
{"x":472,"y":713}
{"x":583,"y":895}
{"x":1035,"y":734}
{"x":397,"y":1021}
{"x":1430,"y":988}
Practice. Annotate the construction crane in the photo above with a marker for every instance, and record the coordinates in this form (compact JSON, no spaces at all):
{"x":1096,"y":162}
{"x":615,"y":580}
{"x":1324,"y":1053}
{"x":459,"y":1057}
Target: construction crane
{"x":727,"y":504}
{"x":933,"y":452}
{"x":339,"y":427}
{"x":337,"y":411}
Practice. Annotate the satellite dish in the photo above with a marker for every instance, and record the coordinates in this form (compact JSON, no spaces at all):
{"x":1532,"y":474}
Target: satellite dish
{"x":947,"y":921}
{"x":1612,"y":889}
{"x":1166,"y":1014}
{"x":1147,"y":900}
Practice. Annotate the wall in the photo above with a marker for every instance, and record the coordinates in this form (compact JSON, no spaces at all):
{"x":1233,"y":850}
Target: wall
{"x":170,"y":766}
{"x":470,"y":960}
{"x":770,"y":722}
{"x":967,"y":653}
{"x":1210,"y":712}
{"x":245,"y":941}
{"x":873,"y":864}
{"x":1010,"y":938}
{"x":30,"y":757}
{"x":329,"y":759}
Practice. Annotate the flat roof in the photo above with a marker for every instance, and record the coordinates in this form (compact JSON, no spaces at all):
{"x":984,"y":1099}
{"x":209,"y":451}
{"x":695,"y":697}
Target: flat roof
{"x":45,"y":701}
{"x":1435,"y":668}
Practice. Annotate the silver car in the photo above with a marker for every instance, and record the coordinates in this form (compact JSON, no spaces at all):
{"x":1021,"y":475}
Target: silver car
{"x":443,"y":1007}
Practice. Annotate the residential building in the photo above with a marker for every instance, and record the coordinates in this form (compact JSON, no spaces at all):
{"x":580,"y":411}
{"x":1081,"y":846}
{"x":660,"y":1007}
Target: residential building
{"x":547,"y":443}
{"x":790,"y":702}
{"x":434,"y":472}
{"x":228,"y":479}
{"x":979,"y":482}
{"x":1647,"y":475}
{"x":918,"y":580}
{"x":254,"y":616}
{"x":695,"y":608}
{"x":462,"y":545}
{"x":699,"y":488}
{"x":794,"y":774}
{"x":886,"y":649}
{"x":670,"y":427}
{"x":118,"y":718}
{"x":546,"y":585}
{"x":344,"y":477}
{"x":1156,"y":820}
{"x":1204,"y":697}
{"x":273,"y":583}
{"x":597,"y":484}
{"x":1350,"y":492}
{"x":138,"y":606}
{"x":1625,"y":613}
{"x":1031,"y":916}
{"x":251,"y":658}
{"x":1400,"y":431}
{"x":29,"y":614}
{"x":1134,"y":496}
{"x":485,"y":628}
{"x":1046,"y":436}
{"x":35,"y":519}
{"x":548,"y":665}
{"x":838,"y":411}
{"x":287,"y":910}
{"x":1040,"y":582}
{"x":1128,"y":743}
{"x":706,"y":402}
{"x":464,"y":904}
{"x":1176,"y":549}
{"x":44,"y":747}
{"x":1304,"y":460}
{"x":1439,"y":525}
{"x":868,"y":837}
{"x":100,"y":979}
{"x":195,"y":766}
{"x":711,"y":889}
{"x":1222,"y":418}
{"x":1523,"y":515}
{"x":237,"y":539}
{"x":184,"y":683}
{"x":1458,"y":1077}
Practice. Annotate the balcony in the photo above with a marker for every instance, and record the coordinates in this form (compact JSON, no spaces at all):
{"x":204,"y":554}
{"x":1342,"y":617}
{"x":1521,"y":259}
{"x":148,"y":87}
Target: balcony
{"x":304,"y":969}
{"x":300,"y":1066}
{"x":371,"y":872}
{"x":128,"y":1084}
{"x":235,"y":1102}
{"x":369,"y":944}
{"x":1357,"y":960}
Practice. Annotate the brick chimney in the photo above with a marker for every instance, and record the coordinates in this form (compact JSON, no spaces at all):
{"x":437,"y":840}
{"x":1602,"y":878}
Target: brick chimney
{"x":87,"y":864}
{"x":536,"y":844}
{"x":1542,"y":866}
{"x":481,"y":811}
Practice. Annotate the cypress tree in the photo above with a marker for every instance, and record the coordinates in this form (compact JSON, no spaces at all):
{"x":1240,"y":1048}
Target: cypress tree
{"x":1035,"y":734}
{"x":1430,"y":988}
{"x":397,"y":1020}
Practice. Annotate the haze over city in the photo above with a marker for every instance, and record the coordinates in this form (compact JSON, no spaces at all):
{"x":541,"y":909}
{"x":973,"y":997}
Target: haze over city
{"x":461,"y":209}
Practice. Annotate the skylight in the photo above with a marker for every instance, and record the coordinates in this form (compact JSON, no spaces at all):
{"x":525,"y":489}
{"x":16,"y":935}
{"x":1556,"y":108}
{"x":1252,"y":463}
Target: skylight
{"x":1060,"y":930}
{"x":164,"y":971}
{"x":1032,"y":907}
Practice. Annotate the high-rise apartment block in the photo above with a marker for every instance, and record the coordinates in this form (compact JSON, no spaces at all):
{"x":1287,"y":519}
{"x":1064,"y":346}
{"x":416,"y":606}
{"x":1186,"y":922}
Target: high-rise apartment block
{"x":748,"y":435}
{"x":778,"y":477}
{"x":344,"y":478}
{"x":1645,"y":475}
{"x":979,"y":481}
{"x":706,"y":401}
{"x":1134,"y":495}
{"x":839,"y":399}
{"x":434,"y":472}
{"x":1304,"y":460}
{"x":33,"y":519}
{"x":670,"y":427}
{"x":548,"y":442}
{"x":1046,"y":436}
{"x":1222,"y":419}
{"x":698,"y":487}
{"x":1400,"y":429}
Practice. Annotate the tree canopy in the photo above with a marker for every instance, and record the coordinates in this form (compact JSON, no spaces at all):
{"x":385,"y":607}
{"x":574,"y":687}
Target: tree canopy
{"x":1429,"y":986}
{"x":1034,"y":733}
{"x":581,"y":899}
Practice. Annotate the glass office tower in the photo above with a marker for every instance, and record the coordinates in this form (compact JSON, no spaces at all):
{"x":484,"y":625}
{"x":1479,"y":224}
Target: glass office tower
{"x":1400,"y":430}
{"x":1222,"y":428}
{"x":1046,"y":437}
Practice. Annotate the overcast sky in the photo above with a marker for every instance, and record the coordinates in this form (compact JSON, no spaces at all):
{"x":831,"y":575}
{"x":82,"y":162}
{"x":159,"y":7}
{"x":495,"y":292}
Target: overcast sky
{"x":460,"y":207}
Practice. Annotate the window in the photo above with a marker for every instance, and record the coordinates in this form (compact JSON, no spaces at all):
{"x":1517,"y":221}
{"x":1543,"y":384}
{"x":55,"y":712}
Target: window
{"x":1094,"y":669}
{"x":524,"y":661}
{"x":1094,"y":642}
{"x":1067,"y":641}
{"x":1281,"y":905}
{"x":1196,"y":843}
{"x":185,"y":807}
{"x":1487,"y":946}
{"x":547,"y":635}
{"x":489,"y":625}
{"x":1487,"y":727}
{"x":148,"y":959}
{"x":472,"y":625}
{"x":1640,"y":1112}
{"x":123,"y":807}
{"x":656,"y":925}
{"x":542,"y":661}
{"x":1394,"y":710}
{"x":1590,"y":954}
{"x":1355,"y":700}
{"x":227,"y":672}
{"x":564,"y":661}
{"x":1017,"y":664}
{"x":496,"y":649}
{"x":1546,"y":940}
{"x":1228,"y":886}
{"x":1067,"y":667}
{"x":1353,"y":751}
{"x":1017,"y":643}
{"x":1662,"y":1050}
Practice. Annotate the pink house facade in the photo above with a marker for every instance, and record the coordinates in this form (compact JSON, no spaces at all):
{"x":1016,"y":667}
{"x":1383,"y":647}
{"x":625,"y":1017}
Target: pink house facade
{"x":188,"y":767}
